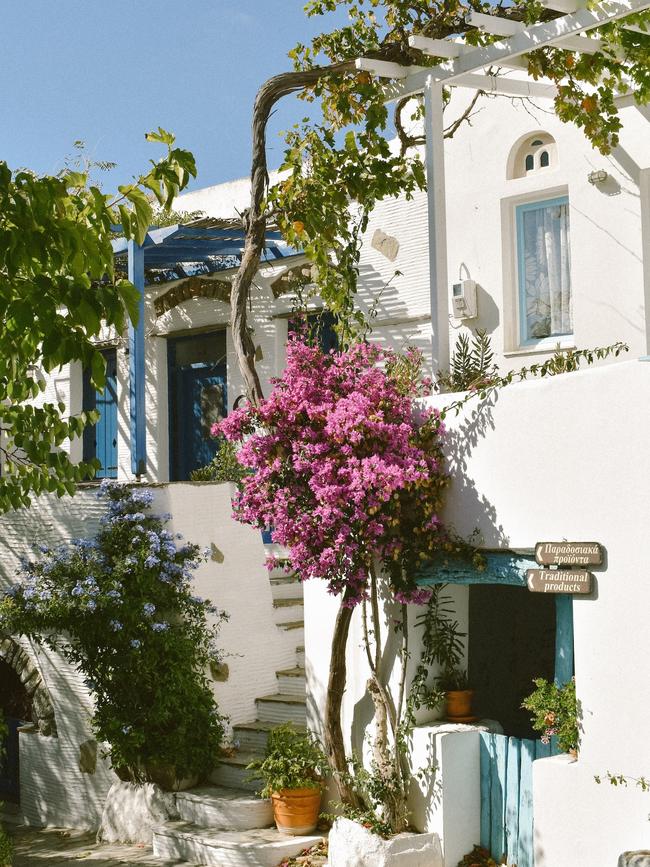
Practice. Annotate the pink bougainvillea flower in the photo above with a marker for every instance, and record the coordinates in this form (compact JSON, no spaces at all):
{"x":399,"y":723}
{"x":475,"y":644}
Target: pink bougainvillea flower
{"x":347,"y":468}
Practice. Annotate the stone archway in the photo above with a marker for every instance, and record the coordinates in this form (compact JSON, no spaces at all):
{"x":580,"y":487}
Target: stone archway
{"x":43,"y":709}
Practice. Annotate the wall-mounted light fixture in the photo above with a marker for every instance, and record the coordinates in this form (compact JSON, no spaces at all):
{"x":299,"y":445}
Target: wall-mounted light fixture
{"x":598,"y":177}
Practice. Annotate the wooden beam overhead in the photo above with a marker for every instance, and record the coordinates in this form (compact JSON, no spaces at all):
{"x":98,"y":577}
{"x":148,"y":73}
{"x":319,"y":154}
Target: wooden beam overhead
{"x":540,"y":35}
{"x":438,"y":47}
{"x":502,"y":85}
{"x":381,"y":68}
{"x":494,"y":24}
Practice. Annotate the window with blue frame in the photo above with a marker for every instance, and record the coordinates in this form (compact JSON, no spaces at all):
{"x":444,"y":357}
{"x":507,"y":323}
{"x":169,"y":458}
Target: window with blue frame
{"x":100,"y":440}
{"x":544,"y":270}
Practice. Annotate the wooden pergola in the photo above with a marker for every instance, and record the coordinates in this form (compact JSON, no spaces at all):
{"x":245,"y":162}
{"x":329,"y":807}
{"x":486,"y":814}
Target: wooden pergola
{"x":469,"y":66}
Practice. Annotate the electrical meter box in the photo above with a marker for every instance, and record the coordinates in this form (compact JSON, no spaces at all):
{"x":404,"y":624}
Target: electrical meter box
{"x":463,"y":299}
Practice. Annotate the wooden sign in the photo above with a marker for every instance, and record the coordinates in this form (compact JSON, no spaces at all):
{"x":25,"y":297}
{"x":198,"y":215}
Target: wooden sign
{"x":559,"y":580}
{"x":569,"y":554}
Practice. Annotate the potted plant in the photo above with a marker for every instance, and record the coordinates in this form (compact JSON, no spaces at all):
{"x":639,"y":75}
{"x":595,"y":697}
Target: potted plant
{"x":444,"y":647}
{"x":554,"y":712}
{"x":293,"y":772}
{"x":458,"y":696}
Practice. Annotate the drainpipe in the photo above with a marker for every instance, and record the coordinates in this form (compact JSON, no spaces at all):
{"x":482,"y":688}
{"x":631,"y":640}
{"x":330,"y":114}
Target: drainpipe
{"x":435,"y":166}
{"x":136,"y":366}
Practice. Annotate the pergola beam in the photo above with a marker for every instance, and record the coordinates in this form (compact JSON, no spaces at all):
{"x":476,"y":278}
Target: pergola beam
{"x":540,"y":35}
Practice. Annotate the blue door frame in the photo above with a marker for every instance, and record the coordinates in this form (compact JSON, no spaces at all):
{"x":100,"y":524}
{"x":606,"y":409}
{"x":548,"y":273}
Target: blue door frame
{"x":100,"y":440}
{"x":506,"y":776}
{"x":197,"y":398}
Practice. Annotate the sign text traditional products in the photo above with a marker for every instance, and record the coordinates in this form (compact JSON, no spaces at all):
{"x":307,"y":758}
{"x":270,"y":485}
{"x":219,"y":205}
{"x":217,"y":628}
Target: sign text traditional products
{"x":559,"y":580}
{"x":569,"y":554}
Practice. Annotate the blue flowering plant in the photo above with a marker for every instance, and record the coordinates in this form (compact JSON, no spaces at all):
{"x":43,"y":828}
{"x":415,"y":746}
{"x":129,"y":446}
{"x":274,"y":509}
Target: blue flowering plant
{"x":121,"y":608}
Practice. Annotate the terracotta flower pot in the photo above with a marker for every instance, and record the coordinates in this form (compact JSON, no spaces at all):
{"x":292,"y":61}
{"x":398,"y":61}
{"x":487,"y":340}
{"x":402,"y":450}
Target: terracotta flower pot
{"x":459,"y":704}
{"x":296,"y":810}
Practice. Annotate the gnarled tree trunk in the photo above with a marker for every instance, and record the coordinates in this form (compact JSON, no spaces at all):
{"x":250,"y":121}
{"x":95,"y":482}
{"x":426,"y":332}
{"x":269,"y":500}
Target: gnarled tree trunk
{"x":255,"y":218}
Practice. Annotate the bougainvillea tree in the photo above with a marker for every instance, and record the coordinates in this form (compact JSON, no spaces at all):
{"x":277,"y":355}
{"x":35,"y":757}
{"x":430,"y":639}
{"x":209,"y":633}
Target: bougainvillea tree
{"x":121,"y":609}
{"x":349,"y":473}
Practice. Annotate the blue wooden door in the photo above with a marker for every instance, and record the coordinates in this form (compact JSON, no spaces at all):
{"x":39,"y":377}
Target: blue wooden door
{"x":507,"y":796}
{"x":197,"y":399}
{"x":9,"y":769}
{"x":100,"y":440}
{"x":507,"y":826}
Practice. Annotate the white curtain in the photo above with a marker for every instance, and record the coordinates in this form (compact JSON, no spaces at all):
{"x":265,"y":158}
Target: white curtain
{"x":547,"y":278}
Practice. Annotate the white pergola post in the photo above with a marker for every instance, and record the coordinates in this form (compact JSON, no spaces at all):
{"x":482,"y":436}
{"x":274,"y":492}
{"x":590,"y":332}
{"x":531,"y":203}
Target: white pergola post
{"x":644,"y":191}
{"x":435,"y":166}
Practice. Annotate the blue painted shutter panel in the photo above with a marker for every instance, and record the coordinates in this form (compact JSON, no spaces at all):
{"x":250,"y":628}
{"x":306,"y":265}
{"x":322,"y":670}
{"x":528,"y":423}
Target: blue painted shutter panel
{"x":100,"y":441}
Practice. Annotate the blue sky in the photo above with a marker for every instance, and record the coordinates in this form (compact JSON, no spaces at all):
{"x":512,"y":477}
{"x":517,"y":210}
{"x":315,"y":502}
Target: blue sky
{"x":106,"y":71}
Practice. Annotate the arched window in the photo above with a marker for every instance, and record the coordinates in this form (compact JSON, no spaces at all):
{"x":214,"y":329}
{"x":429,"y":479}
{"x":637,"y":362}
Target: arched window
{"x":532,"y":154}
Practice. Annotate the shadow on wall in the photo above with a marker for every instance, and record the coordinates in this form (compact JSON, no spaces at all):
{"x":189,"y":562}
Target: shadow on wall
{"x":460,"y":443}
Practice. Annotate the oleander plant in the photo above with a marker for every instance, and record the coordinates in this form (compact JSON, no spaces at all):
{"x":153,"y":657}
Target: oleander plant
{"x":121,"y":608}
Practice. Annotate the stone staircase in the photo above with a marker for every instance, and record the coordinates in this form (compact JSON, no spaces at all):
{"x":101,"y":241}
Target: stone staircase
{"x":226,"y":824}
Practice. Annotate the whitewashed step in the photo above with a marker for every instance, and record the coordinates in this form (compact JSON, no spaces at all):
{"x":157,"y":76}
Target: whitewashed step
{"x":300,"y":656}
{"x":225,"y":809}
{"x":231,"y":771}
{"x":281,"y":708}
{"x":291,"y":610}
{"x":253,"y":736}
{"x":175,"y":841}
{"x":291,"y":681}
{"x":286,"y":587}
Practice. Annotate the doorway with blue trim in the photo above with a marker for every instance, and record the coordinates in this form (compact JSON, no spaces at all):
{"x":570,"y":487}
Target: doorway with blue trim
{"x":513,"y":636}
{"x":100,"y":440}
{"x":197,"y":376}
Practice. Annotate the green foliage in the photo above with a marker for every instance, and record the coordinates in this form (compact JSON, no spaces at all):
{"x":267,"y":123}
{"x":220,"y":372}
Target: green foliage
{"x":562,"y":361}
{"x":374,"y":789}
{"x":224,"y":466}
{"x":136,"y":632}
{"x":623,"y":781}
{"x":443,"y":647}
{"x":472,"y":365}
{"x":6,"y":849}
{"x":293,"y":760}
{"x":555,"y":713}
{"x":58,"y":291}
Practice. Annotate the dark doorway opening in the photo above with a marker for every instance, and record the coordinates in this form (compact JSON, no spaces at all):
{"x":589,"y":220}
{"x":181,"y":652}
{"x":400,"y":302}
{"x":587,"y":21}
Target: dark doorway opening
{"x":16,"y":709}
{"x":197,"y":399}
{"x":511,"y":641}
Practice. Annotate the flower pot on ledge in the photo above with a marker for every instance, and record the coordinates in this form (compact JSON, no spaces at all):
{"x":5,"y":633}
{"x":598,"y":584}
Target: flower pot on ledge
{"x":296,"y":810}
{"x":459,"y":705}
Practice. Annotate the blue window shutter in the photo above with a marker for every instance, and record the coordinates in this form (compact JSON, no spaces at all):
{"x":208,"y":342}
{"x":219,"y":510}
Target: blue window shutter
{"x":100,"y":440}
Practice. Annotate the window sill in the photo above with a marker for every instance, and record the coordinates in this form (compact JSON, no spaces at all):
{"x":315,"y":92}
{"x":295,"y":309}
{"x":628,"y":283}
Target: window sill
{"x":540,"y":350}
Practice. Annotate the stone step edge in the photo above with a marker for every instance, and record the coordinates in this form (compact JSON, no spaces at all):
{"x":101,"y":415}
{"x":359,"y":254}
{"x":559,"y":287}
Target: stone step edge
{"x":283,"y":698}
{"x":288,"y":603}
{"x":208,"y":794}
{"x":265,"y":726}
{"x":296,"y":671}
{"x":292,"y":624}
{"x":187,"y":831}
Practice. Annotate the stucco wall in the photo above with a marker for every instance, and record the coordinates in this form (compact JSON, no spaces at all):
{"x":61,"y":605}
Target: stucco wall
{"x":235,"y":578}
{"x":564,"y":458}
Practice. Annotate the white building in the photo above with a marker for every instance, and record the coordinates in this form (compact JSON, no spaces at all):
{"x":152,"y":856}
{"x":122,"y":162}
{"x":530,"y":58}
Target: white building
{"x":556,"y":239}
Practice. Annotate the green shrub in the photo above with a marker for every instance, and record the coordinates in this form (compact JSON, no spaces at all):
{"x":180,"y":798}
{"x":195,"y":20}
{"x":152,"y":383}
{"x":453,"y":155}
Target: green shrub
{"x":223,"y":467}
{"x":135,"y":631}
{"x":293,"y":760}
{"x":555,"y":713}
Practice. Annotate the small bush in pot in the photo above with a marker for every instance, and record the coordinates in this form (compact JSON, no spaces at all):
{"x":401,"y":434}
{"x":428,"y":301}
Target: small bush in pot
{"x":293,"y":772}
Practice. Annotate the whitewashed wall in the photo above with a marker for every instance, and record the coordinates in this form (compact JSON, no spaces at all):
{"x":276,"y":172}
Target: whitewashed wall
{"x":565,"y":458}
{"x":53,"y":789}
